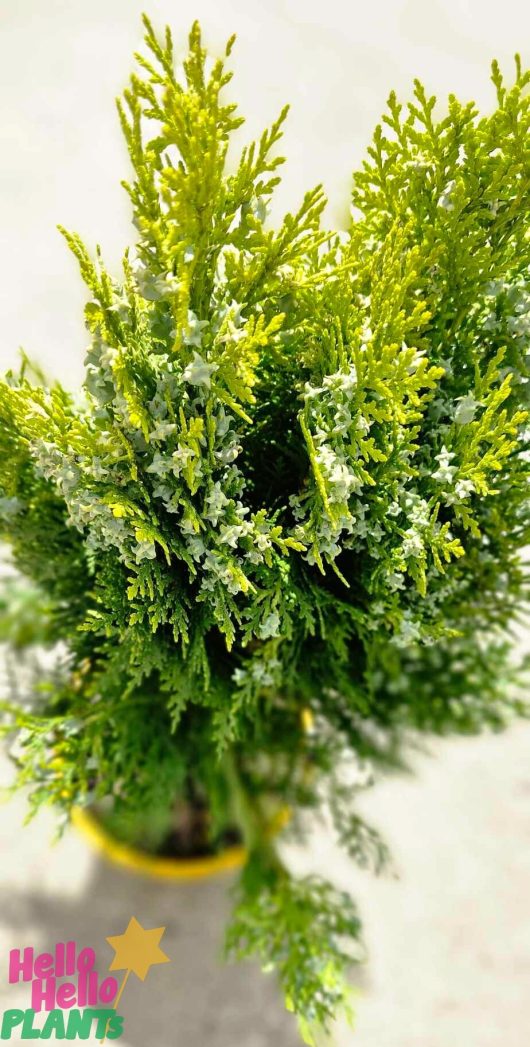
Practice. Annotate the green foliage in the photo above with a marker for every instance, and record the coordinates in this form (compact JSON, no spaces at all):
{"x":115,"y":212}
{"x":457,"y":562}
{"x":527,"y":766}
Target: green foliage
{"x":301,"y":930}
{"x":296,"y":482}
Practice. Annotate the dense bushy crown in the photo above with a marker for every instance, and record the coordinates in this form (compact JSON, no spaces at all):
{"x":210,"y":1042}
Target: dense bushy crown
{"x":282,"y":525}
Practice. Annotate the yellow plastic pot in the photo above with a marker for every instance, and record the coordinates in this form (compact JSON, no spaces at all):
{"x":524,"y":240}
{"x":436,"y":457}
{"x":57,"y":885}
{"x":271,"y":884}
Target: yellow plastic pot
{"x":163,"y":868}
{"x":171,"y":868}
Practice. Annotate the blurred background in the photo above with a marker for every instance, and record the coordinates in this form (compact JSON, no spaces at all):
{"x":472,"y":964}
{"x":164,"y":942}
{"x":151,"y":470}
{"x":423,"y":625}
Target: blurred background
{"x":449,"y":941}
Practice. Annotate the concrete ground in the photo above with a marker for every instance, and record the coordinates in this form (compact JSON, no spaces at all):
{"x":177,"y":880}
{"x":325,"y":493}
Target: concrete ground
{"x":448,"y":942}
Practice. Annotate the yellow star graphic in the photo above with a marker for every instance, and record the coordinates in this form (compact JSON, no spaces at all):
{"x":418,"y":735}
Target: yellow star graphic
{"x":137,"y":949}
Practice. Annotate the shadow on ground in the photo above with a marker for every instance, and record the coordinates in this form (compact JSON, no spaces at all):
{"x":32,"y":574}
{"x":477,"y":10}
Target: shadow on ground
{"x":193,"y":1001}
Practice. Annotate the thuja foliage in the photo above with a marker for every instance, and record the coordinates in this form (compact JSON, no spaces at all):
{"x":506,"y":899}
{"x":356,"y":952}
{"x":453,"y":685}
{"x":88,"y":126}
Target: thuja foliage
{"x":281,"y":526}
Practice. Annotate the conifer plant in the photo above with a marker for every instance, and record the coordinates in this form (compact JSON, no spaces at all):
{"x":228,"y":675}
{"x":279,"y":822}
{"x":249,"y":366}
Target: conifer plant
{"x":280,"y":531}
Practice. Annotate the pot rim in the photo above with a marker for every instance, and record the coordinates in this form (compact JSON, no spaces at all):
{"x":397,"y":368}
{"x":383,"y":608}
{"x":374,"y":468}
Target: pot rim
{"x":163,"y":868}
